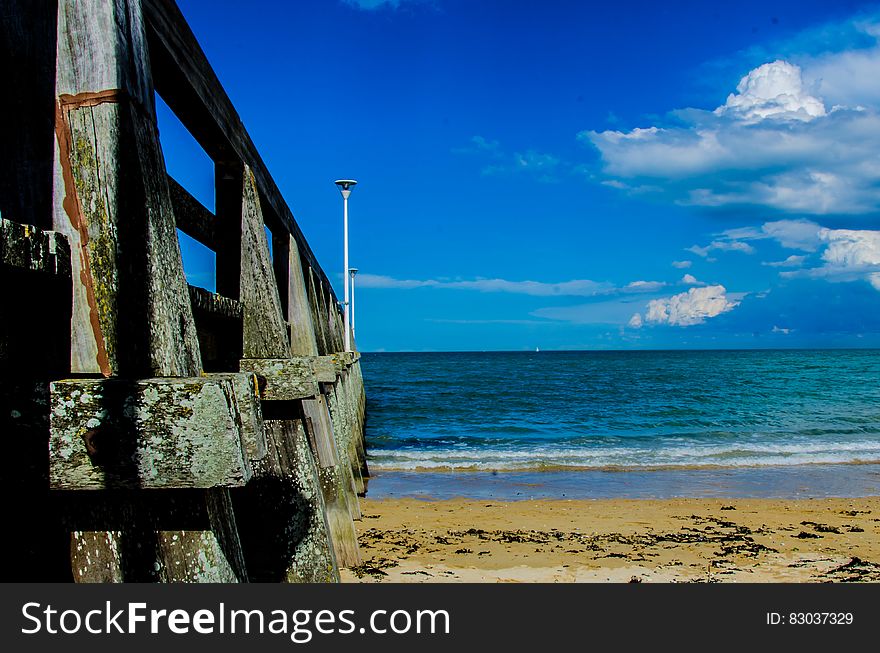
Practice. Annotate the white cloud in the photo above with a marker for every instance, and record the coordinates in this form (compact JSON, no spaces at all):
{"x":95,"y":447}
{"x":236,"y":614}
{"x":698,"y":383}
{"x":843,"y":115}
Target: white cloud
{"x":848,"y":255}
{"x":635,"y":321}
{"x":794,"y":234}
{"x":574,"y":288}
{"x":682,"y":264}
{"x":802,"y":235}
{"x":792,"y":261}
{"x":544,"y":166}
{"x":692,"y":307}
{"x":484,"y":144}
{"x":722,"y":245}
{"x":774,"y":90}
{"x":643,"y":286}
{"x":691,"y":280}
{"x":774,"y":142}
{"x":781,"y":330}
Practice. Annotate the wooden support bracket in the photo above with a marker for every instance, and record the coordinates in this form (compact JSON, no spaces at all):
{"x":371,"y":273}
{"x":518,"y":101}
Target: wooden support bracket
{"x":199,"y":432}
{"x":283,"y":379}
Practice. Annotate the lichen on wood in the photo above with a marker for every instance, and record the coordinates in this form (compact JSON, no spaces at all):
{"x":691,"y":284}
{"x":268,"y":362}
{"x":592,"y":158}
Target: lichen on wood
{"x":154,"y":433}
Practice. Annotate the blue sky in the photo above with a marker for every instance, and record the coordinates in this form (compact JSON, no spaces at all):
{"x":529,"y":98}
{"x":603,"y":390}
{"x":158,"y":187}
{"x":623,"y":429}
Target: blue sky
{"x":568,"y":175}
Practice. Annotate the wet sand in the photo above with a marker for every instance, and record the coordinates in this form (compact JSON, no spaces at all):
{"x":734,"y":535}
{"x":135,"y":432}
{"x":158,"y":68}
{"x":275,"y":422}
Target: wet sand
{"x":619,"y":540}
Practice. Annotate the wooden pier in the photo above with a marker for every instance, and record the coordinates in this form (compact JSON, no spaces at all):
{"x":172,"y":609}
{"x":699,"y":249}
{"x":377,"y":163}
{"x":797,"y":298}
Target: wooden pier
{"x":156,"y":431}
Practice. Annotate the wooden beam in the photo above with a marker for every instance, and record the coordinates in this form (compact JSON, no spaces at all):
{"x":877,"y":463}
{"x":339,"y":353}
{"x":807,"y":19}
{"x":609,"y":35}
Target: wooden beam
{"x":209,"y":303}
{"x":198,"y":432}
{"x":325,"y":369}
{"x":191,"y":216}
{"x":283,"y":379}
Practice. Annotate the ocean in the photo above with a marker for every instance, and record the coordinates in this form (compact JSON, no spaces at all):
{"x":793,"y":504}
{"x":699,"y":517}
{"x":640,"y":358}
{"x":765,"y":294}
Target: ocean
{"x":782,"y":423}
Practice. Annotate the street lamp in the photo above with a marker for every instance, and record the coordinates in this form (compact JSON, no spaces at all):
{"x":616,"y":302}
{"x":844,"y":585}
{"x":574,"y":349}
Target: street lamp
{"x":345,"y":186}
{"x":352,"y":272}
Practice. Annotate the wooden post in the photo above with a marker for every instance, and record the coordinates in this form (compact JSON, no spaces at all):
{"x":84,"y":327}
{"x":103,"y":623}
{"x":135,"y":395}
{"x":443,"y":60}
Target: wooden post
{"x":131,"y":309}
{"x":336,"y":483}
{"x":294,"y":302}
{"x":342,"y":427}
{"x":284,"y":508}
{"x":316,"y":304}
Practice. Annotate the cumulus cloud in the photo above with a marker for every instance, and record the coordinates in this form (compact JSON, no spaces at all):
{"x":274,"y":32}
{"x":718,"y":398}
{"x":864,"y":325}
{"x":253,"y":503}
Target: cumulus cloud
{"x":682,"y":264}
{"x":692,"y":307}
{"x":635,"y":321}
{"x":850,"y":255}
{"x":574,"y":288}
{"x":774,"y":90}
{"x":847,"y":254}
{"x":776,"y":142}
{"x":691,"y":280}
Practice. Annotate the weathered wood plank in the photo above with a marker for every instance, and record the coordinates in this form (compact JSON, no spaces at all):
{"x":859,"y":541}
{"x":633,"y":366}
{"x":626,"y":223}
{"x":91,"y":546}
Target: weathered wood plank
{"x":316,"y":306}
{"x":325,"y":369}
{"x":282,"y":379}
{"x":335,"y":482}
{"x":215,"y":305}
{"x":294,"y":296}
{"x":219,"y":326}
{"x":198,"y":432}
{"x":191,"y":216}
{"x":153,"y":536}
{"x":342,"y":430}
{"x":265,"y":331}
{"x":265,"y":336}
{"x":112,"y":200}
{"x":291,"y":541}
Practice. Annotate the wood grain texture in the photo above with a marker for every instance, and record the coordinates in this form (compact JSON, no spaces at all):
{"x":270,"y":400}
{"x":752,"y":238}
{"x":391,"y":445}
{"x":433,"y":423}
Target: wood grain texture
{"x":282,"y":515}
{"x":265,"y":330}
{"x":282,"y":379}
{"x":295,"y":301}
{"x":113,"y":201}
{"x":335,"y":480}
{"x":154,"y":433}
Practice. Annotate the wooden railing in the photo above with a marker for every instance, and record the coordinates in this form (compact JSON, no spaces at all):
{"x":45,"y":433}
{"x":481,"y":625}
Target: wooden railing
{"x":191,"y":436}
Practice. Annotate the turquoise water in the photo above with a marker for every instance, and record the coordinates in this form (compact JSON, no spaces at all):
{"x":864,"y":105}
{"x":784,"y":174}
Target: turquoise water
{"x":600,"y":411}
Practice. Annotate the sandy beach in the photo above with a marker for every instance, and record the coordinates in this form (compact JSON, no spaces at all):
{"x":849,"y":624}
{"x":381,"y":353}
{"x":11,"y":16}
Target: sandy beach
{"x":617,"y":540}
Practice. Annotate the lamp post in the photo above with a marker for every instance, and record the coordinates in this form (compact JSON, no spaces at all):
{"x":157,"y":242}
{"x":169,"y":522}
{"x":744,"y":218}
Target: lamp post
{"x":352,"y":272}
{"x":345,"y":186}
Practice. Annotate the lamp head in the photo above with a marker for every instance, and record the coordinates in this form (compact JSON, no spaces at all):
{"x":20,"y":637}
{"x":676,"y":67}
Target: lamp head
{"x":345,"y":186}
{"x":352,"y":271}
